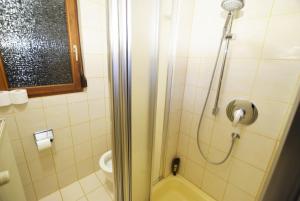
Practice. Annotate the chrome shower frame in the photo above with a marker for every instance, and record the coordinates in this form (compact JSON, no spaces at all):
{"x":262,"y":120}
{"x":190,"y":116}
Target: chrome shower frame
{"x":119,"y":58}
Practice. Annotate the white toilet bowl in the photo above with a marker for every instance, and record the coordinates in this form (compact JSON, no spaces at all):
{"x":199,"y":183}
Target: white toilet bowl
{"x":105,"y":163}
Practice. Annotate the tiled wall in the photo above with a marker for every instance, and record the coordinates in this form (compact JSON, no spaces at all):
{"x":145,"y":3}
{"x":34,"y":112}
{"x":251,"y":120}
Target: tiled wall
{"x":81,"y":121}
{"x":182,"y":25}
{"x":263,"y":67}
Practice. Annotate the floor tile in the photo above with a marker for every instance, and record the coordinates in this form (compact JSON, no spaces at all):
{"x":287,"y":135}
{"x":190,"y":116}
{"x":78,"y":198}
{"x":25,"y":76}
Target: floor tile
{"x":83,"y":199}
{"x":99,"y":194}
{"x":89,"y":188}
{"x":72,"y":192}
{"x":101,"y":176}
{"x":56,"y":196}
{"x":90,"y":183}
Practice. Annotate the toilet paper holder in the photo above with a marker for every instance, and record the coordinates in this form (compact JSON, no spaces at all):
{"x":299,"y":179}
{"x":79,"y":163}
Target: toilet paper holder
{"x":44,"y":134}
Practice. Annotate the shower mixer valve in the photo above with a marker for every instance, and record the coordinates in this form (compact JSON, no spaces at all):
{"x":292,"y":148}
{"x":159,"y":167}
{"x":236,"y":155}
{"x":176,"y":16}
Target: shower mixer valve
{"x":241,"y":112}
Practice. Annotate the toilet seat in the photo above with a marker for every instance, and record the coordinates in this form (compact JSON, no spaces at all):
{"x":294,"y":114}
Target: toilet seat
{"x":105,"y":161}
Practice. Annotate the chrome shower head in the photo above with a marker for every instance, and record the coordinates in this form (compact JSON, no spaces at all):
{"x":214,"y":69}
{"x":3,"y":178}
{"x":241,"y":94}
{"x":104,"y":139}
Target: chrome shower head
{"x":233,"y":5}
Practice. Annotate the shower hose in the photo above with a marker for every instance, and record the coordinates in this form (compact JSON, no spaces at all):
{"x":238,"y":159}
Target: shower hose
{"x":234,"y":136}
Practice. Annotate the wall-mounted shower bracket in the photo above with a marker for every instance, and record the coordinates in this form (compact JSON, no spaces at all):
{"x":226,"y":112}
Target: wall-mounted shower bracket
{"x":229,"y":36}
{"x":250,"y":112}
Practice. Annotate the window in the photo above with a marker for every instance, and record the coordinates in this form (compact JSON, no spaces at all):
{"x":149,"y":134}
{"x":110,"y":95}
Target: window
{"x":40,"y":47}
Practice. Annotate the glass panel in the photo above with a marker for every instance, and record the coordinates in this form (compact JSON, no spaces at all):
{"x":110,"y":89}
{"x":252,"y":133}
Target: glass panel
{"x":34,"y":42}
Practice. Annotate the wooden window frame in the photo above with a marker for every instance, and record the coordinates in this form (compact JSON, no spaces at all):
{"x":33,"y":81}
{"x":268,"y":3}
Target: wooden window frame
{"x":76,"y":66}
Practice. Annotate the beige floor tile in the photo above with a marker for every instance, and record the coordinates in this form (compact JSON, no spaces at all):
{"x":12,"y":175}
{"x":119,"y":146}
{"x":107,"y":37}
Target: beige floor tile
{"x":89,"y":188}
{"x":56,"y":196}
{"x":99,"y":194}
{"x":106,"y":183}
{"x":89,"y":183}
{"x":72,"y":192}
{"x":83,"y":199}
{"x":101,"y":176}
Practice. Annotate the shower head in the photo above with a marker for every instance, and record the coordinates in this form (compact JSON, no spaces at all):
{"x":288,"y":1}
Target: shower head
{"x":233,"y":5}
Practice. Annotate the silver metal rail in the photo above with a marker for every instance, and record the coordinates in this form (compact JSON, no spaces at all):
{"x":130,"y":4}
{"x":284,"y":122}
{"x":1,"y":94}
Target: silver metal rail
{"x":119,"y":76}
{"x":228,"y":36}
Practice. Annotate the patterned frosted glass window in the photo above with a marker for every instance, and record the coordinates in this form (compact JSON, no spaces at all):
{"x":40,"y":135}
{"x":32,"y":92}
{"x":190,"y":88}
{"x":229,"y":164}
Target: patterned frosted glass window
{"x":34,"y":43}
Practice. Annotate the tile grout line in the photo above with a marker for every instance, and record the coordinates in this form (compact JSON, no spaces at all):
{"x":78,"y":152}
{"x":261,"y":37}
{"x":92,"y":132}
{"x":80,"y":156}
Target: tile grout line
{"x":51,"y":150}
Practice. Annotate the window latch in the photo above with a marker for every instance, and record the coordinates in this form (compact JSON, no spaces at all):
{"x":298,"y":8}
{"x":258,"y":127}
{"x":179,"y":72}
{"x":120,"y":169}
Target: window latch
{"x":75,"y":49}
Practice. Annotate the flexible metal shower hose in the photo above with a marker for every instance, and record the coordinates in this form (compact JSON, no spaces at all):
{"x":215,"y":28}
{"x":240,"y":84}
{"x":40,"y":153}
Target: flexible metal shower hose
{"x":234,"y":136}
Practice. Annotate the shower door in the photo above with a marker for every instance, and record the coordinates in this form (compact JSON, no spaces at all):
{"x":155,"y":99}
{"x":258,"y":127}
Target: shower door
{"x":133,"y":38}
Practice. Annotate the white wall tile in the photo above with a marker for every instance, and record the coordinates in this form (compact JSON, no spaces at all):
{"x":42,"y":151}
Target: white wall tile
{"x":286,"y":7}
{"x":18,"y":151}
{"x":77,"y":97}
{"x":41,"y":167}
{"x":239,"y":77}
{"x":49,"y":101}
{"x":85,"y":167}
{"x":96,"y":88}
{"x":67,"y":176}
{"x":221,"y":137}
{"x":282,"y":39}
{"x":99,"y":127}
{"x":29,"y":192}
{"x":183,"y":144}
{"x":94,"y":65}
{"x":30,"y":121}
{"x":257,"y":9}
{"x":92,"y":13}
{"x":195,"y":173}
{"x":79,"y":112}
{"x":63,"y":139}
{"x":249,"y":37}
{"x":57,"y":117}
{"x":246,"y":177}
{"x":24,"y":174}
{"x":222,"y":170}
{"x":282,"y":79}
{"x":258,"y":157}
{"x":12,"y":127}
{"x":99,"y":145}
{"x":213,"y":185}
{"x":46,"y":186}
{"x":30,"y":149}
{"x":97,"y":108}
{"x":235,"y":194}
{"x":81,"y":133}
{"x":64,"y":159}
{"x":33,"y":103}
{"x":83,"y":151}
{"x":194,"y":154}
{"x":271,"y":118}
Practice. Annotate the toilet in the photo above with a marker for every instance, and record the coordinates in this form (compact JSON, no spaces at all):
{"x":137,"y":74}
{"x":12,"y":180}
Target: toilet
{"x":105,"y":163}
